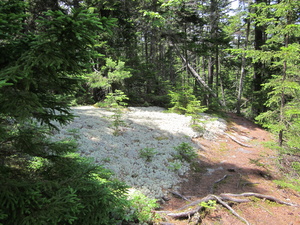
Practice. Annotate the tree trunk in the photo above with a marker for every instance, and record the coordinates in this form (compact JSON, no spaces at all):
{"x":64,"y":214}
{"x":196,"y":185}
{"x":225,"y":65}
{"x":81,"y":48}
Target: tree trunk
{"x":282,"y":97}
{"x":243,"y":72}
{"x":198,"y":78}
{"x":259,"y":36}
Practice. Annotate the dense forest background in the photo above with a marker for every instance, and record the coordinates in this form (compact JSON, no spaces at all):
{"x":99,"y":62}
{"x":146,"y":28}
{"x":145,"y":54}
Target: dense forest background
{"x":169,"y":53}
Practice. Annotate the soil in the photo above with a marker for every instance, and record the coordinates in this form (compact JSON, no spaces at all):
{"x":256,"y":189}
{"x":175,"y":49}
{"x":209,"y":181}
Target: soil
{"x":247,"y":169}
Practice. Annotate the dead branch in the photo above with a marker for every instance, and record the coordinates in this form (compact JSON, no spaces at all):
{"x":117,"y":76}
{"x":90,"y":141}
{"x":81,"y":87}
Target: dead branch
{"x":235,"y":140}
{"x":268,"y":197}
{"x":185,"y":214}
{"x":230,"y":209}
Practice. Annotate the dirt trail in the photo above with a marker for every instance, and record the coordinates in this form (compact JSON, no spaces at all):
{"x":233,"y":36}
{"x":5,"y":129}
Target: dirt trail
{"x":247,"y":170}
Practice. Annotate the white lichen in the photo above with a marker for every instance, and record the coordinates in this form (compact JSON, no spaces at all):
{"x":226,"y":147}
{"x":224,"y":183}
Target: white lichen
{"x":146,"y":127}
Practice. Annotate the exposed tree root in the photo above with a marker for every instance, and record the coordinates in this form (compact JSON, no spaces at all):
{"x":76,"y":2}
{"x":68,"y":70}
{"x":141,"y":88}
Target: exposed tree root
{"x":235,"y":140}
{"x":268,"y":197}
{"x":190,"y":209}
{"x":180,"y":196}
{"x":186,"y":214}
{"x":230,"y":209}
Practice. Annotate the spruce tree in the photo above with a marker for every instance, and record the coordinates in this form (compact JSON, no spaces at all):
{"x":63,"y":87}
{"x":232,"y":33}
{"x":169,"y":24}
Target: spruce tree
{"x":42,"y":181}
{"x":281,"y":51}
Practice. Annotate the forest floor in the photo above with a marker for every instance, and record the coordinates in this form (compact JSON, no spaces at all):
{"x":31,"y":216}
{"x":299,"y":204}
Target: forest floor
{"x":246,"y":169}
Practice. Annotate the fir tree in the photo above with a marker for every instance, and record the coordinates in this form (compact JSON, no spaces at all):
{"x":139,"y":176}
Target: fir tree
{"x":282,"y":52}
{"x":45,"y":182}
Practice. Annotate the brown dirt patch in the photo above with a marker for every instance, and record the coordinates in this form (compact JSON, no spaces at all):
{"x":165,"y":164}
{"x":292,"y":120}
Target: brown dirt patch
{"x":247,"y":169}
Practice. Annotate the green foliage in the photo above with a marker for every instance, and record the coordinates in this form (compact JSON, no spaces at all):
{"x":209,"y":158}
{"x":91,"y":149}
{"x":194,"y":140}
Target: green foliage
{"x":292,"y":184}
{"x":296,"y":167}
{"x":44,"y":182}
{"x":111,"y":73}
{"x":147,"y":153}
{"x":41,"y":68}
{"x":197,"y":126}
{"x":117,"y":121}
{"x":185,"y":152}
{"x":175,"y":166}
{"x":281,"y":53}
{"x":114,"y":100}
{"x":210,"y":204}
{"x":141,"y":208}
{"x":185,"y":102}
{"x":59,"y":188}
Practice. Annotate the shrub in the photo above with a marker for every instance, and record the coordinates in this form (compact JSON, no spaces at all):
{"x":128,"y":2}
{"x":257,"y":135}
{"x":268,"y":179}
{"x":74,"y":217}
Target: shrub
{"x":185,"y":102}
{"x":141,"y":208}
{"x":65,"y":189}
{"x":185,"y":152}
{"x":147,"y":153}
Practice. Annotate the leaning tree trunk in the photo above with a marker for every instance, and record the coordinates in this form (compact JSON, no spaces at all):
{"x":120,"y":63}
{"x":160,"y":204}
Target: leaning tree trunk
{"x":198,"y":77}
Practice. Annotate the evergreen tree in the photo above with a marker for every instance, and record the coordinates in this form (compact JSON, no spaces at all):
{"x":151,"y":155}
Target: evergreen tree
{"x":282,"y":52}
{"x":45,"y":182}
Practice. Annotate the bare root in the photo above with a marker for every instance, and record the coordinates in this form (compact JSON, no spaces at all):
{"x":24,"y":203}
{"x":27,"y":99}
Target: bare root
{"x":192,"y":208}
{"x":268,"y":197}
{"x":230,"y":209}
{"x":235,"y":140}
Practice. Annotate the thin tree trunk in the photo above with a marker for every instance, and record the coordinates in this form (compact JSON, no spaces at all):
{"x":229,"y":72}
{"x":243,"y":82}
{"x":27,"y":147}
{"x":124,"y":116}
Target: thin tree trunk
{"x":243,"y":72}
{"x":259,"y":33}
{"x":217,"y":70}
{"x":282,"y":98}
{"x":146,"y":47}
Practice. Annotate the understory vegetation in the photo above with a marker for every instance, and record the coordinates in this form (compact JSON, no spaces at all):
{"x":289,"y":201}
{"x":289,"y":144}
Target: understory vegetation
{"x":187,"y":56}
